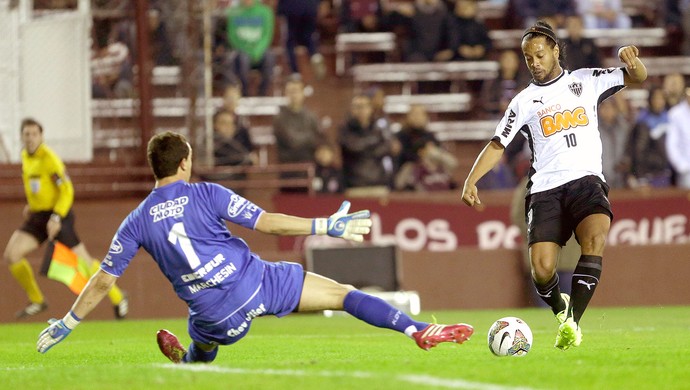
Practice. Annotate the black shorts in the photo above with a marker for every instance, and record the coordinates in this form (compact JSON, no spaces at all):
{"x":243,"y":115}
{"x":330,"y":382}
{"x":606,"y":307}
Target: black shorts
{"x":36,"y":226}
{"x":553,"y":215}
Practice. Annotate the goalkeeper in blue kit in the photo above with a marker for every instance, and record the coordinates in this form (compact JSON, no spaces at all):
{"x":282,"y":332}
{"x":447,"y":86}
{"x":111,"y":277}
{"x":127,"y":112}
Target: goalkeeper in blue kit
{"x":225,"y":285}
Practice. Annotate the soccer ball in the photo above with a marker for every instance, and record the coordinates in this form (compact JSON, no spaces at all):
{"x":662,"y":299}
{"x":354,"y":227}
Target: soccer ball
{"x":510,"y":336}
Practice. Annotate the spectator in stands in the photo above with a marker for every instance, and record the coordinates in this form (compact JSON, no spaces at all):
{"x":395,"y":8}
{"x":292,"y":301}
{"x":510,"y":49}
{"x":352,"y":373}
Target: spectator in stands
{"x":603,"y":14}
{"x":232,"y":94}
{"x":469,"y":36}
{"x":296,"y":129}
{"x":361,"y":16}
{"x":250,"y":27}
{"x":378,"y":102}
{"x":301,"y":18}
{"x":674,"y":88}
{"x":328,"y":177}
{"x":677,"y":22}
{"x":365,"y":149}
{"x":498,"y":92}
{"x":645,"y":157}
{"x":431,"y":171}
{"x":414,"y":134}
{"x":428,"y":27}
{"x":383,"y":121}
{"x":524,"y":13}
{"x":678,"y":140}
{"x":232,"y":145}
{"x":162,"y":52}
{"x":161,"y":48}
{"x":111,"y":67}
{"x":614,"y":129}
{"x":581,"y":52}
{"x":500,"y":177}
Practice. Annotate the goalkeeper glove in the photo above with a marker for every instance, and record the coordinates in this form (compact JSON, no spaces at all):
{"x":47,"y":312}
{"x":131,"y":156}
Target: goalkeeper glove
{"x":56,"y":332}
{"x":341,"y":224}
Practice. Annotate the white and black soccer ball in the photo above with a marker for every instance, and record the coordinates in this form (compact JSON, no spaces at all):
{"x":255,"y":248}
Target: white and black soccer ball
{"x":510,"y":336}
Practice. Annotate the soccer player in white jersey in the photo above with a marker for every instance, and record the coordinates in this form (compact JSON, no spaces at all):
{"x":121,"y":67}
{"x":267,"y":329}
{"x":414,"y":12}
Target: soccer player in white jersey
{"x":182,"y":226}
{"x":566,"y":191}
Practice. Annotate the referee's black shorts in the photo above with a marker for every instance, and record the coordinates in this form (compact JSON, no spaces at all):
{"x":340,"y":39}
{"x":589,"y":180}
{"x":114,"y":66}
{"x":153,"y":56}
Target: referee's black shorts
{"x":553,"y":215}
{"x":36,"y":226}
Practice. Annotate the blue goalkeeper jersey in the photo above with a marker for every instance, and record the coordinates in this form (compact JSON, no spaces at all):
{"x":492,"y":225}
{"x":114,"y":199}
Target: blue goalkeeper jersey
{"x":182,"y":226}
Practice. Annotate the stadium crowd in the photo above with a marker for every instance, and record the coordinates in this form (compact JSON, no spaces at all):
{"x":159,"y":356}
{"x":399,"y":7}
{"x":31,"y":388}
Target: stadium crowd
{"x":365,"y":146}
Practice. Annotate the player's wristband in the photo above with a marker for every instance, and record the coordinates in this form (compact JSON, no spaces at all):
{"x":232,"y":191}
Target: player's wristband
{"x":319,"y":226}
{"x":71,"y":320}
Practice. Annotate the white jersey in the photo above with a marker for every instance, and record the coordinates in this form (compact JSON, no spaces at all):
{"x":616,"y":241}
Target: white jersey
{"x":560,"y":121}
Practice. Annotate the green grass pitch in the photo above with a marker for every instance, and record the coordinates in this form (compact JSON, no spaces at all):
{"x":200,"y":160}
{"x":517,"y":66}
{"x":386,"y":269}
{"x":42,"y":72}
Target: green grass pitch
{"x":622,"y":348}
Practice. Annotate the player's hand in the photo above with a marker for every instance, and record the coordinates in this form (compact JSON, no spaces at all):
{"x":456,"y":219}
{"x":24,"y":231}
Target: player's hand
{"x":55,"y":333}
{"x":351,"y":226}
{"x":470,"y":195}
{"x":628,"y":55}
{"x":53,"y":226}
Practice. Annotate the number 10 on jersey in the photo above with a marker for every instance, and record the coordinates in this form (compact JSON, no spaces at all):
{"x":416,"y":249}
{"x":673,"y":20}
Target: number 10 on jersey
{"x":571,"y":140}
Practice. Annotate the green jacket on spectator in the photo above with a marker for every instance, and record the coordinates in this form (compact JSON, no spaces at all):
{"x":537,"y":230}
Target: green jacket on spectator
{"x":250,"y":29}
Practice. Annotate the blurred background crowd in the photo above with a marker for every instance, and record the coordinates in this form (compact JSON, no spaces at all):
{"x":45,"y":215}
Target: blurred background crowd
{"x":278,"y":98}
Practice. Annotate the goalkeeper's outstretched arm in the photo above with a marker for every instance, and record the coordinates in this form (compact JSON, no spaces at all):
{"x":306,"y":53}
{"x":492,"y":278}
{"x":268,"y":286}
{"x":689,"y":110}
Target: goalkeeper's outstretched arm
{"x":97,"y":288}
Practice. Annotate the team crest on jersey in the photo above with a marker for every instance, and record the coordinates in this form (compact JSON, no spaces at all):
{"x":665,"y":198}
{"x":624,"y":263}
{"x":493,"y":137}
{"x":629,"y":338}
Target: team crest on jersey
{"x":576,"y":88}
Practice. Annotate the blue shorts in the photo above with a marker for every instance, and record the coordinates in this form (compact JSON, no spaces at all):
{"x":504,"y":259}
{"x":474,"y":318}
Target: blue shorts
{"x":278,"y":294}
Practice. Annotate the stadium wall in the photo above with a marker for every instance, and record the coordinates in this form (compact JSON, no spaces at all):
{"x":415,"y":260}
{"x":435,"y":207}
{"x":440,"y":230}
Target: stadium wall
{"x":466,"y":278}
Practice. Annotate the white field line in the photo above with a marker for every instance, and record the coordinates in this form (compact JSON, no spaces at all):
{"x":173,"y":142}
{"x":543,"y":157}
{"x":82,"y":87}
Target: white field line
{"x":426,"y":380}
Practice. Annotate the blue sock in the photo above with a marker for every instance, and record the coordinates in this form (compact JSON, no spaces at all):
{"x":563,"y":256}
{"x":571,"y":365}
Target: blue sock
{"x":375,"y":311}
{"x":198,"y":355}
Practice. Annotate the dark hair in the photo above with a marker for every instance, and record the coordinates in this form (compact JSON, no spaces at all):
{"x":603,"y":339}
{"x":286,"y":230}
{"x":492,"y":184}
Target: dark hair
{"x":220,"y":112}
{"x":165,"y":152}
{"x":294,"y":78}
{"x":541,"y":28}
{"x":652,"y":90}
{"x":30,"y":122}
{"x":231,"y":81}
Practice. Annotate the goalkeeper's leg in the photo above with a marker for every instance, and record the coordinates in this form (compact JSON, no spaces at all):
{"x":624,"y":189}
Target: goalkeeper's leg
{"x":320,"y":293}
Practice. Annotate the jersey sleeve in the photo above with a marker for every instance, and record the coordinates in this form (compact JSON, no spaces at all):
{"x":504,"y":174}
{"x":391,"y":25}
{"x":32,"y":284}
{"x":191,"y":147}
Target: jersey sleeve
{"x":606,"y":81}
{"x":232,"y":207}
{"x":510,"y":124}
{"x":65,"y":189}
{"x":123,"y":247}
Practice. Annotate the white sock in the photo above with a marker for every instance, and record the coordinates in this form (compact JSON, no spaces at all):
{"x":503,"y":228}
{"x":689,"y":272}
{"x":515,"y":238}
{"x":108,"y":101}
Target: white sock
{"x":409,"y":330}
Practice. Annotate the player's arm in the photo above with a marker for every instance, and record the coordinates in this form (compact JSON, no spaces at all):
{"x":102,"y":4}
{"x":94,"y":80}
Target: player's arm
{"x":486,"y":160}
{"x":350,"y":226}
{"x":64,"y":186}
{"x":65,"y":196}
{"x":97,"y":288}
{"x":636,"y":72}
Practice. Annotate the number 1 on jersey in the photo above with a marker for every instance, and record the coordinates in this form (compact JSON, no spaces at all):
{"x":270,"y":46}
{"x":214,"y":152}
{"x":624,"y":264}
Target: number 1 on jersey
{"x":177,"y":233}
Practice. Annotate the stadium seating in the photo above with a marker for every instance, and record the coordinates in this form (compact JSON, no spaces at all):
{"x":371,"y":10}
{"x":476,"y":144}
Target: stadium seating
{"x":611,"y":37}
{"x":410,"y":74}
{"x":434,"y":103}
{"x":348,"y":43}
{"x":464,"y":130}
